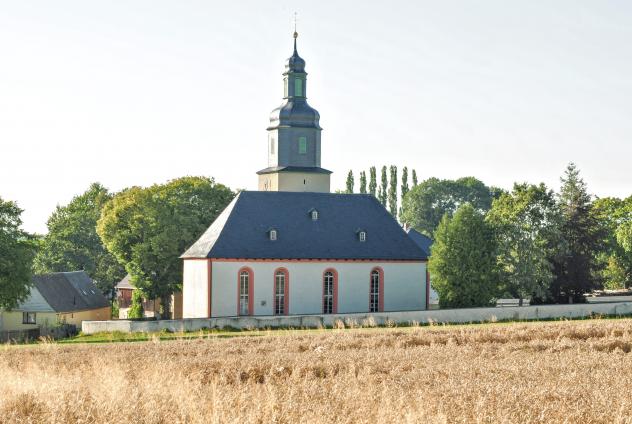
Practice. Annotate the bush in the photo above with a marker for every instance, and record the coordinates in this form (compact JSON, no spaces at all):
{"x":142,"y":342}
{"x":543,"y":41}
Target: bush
{"x":115,"y":309}
{"x":136,"y":308}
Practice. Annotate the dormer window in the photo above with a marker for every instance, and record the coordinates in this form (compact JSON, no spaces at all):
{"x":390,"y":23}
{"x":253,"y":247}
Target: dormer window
{"x":314,"y":215}
{"x":273,"y":235}
{"x":362,"y":236}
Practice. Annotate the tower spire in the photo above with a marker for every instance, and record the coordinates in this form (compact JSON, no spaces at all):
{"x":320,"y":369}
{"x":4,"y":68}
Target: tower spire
{"x":295,"y":33}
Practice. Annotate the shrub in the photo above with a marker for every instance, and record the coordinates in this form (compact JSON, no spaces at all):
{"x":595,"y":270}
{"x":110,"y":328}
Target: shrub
{"x":136,"y":308}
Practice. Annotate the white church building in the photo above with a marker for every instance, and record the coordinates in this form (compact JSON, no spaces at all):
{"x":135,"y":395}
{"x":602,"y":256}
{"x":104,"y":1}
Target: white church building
{"x":294,"y":248}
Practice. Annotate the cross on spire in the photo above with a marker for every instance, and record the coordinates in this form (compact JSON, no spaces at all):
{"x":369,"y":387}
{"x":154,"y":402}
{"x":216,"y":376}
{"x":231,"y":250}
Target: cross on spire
{"x":295,"y":21}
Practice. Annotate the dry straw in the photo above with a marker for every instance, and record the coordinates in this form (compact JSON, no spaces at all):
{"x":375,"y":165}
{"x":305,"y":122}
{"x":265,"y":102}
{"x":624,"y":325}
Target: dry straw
{"x":567,"y":372}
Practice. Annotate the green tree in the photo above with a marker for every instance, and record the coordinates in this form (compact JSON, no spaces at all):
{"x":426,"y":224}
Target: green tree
{"x":414,"y":178}
{"x":363,"y":182}
{"x":72,"y":242}
{"x":392,"y":192}
{"x":425,"y":204}
{"x":575,"y":269}
{"x":350,"y":182}
{"x":373,"y":181}
{"x":526,"y":223}
{"x":147,"y":229}
{"x":624,"y":236}
{"x":614,"y":261}
{"x":17,"y":250}
{"x":404,"y":188}
{"x":383,"y":187}
{"x":463,"y":262}
{"x":136,"y":310}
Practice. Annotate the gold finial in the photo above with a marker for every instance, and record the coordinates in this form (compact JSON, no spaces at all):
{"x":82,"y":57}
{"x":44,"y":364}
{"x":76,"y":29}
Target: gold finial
{"x":295,"y":20}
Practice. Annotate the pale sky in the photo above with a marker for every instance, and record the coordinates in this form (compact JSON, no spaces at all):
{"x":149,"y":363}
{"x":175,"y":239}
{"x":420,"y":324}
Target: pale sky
{"x":140,"y":92}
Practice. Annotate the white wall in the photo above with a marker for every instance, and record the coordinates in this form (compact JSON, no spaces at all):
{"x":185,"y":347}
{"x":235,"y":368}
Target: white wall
{"x":382,"y":318}
{"x":404,"y":286}
{"x":195,"y":288}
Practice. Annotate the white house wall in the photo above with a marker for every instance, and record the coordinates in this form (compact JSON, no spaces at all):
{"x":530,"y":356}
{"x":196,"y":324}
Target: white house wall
{"x":195,"y":289}
{"x":404,"y":287}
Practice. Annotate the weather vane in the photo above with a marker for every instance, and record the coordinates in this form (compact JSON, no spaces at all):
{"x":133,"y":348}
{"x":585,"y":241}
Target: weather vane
{"x":295,"y":20}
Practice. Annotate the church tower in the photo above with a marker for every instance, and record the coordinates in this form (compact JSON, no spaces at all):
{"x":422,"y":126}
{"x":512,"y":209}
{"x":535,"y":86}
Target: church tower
{"x":294,"y":138}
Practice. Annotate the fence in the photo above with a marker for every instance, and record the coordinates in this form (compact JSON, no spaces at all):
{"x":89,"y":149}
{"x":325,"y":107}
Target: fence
{"x":382,"y":318}
{"x":19,"y":336}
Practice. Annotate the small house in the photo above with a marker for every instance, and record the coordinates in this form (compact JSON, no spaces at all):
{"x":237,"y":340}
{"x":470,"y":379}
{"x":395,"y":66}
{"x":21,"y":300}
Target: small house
{"x":57,"y":298}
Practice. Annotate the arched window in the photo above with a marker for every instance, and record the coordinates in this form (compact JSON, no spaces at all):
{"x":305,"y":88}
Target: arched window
{"x":273,"y":235}
{"x":330,"y":292}
{"x":376,"y":290}
{"x":314,"y":215}
{"x":281,"y":291}
{"x":245,"y":290}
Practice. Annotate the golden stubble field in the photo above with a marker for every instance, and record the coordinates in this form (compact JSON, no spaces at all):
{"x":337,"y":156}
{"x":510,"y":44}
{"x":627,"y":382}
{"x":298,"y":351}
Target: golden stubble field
{"x":573,"y":372}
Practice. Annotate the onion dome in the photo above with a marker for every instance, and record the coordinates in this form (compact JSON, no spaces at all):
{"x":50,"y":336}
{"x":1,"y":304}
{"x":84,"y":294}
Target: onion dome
{"x":295,"y":63}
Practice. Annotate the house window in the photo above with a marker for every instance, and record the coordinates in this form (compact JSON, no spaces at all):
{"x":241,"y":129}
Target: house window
{"x":376,"y":289}
{"x":245,"y":292}
{"x":362,"y":236}
{"x":272,"y":142}
{"x":330,"y":291}
{"x":273,"y":235}
{"x":281,"y":280}
{"x":29,"y":318}
{"x":302,"y":145}
{"x":298,"y":87}
{"x":314,"y":215}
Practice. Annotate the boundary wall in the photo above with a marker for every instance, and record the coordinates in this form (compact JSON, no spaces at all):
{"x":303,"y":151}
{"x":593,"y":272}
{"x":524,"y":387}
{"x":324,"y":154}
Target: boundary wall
{"x":466,"y":315}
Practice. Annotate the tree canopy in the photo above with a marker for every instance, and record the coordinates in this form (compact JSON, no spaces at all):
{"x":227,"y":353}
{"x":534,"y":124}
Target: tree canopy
{"x":463,"y":263}
{"x":17,"y":250}
{"x":72,"y":242}
{"x":426,"y":203}
{"x":526,"y":224}
{"x":147,"y":229}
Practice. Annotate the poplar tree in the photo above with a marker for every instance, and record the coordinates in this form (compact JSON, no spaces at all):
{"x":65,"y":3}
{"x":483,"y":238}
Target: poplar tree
{"x":383,"y":187}
{"x":404,"y":187}
{"x":392,"y":192}
{"x":350,"y":182}
{"x":363,"y":182}
{"x":373,"y":181}
{"x":414,"y":178}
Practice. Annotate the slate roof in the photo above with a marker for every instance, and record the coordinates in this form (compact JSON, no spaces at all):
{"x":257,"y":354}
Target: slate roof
{"x":126,"y":283}
{"x":421,"y":240}
{"x":241,"y":230}
{"x":70,"y":291}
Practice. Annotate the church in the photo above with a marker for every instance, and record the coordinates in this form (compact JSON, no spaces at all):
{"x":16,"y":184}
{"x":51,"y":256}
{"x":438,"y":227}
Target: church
{"x":295,"y":248}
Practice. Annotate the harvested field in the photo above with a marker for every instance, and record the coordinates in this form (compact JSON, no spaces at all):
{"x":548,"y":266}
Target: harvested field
{"x":575,"y":372}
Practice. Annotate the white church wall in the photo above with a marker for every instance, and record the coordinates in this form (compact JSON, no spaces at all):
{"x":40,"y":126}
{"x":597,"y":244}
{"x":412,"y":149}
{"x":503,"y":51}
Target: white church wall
{"x":195,"y":289}
{"x":404,"y":286}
